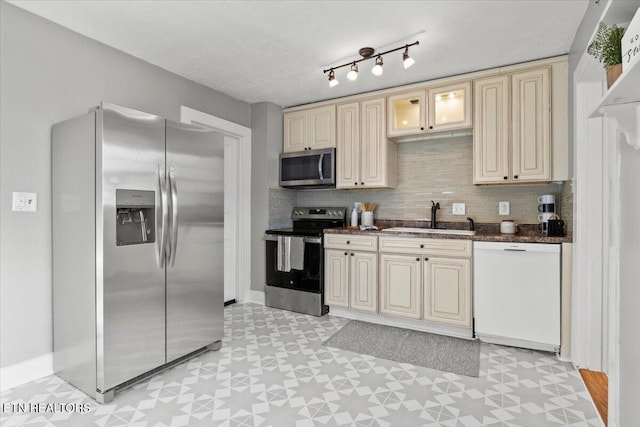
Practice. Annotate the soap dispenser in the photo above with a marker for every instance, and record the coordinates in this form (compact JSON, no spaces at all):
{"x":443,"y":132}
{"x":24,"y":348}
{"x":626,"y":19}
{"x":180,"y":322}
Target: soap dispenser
{"x":354,"y":215}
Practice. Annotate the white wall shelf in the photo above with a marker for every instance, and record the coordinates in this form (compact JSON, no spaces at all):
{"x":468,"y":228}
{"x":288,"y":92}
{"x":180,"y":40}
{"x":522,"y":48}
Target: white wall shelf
{"x":625,"y":90}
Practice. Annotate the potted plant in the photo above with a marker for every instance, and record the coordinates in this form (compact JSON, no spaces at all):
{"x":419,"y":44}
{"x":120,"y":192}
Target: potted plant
{"x":607,"y":48}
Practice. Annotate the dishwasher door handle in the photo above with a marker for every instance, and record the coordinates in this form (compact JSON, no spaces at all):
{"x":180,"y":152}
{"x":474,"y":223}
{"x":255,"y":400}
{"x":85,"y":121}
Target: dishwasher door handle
{"x":514,"y":250}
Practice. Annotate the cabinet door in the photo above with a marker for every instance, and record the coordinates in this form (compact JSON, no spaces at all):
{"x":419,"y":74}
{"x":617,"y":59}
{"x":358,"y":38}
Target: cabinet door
{"x":450,"y":107}
{"x":336,"y":278}
{"x":400,"y":284}
{"x":373,"y":143}
{"x":531,"y":131}
{"x":491,"y":130}
{"x":348,"y":146}
{"x":406,"y":115}
{"x":322,"y":127}
{"x":363,"y":280}
{"x":295,"y":131}
{"x":447,"y":291}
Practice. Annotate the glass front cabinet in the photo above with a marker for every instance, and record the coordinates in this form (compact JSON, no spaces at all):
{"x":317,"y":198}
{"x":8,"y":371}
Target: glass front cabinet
{"x":450,"y":107}
{"x":444,"y":108}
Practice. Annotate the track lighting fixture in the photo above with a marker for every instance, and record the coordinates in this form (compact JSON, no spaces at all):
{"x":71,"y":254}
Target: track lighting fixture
{"x":353,"y":74}
{"x":377,"y":69}
{"x":332,"y":79}
{"x":370,"y":53}
{"x":406,"y":59}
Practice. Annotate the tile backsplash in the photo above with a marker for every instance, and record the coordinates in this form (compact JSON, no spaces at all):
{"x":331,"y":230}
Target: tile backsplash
{"x":439,"y":170}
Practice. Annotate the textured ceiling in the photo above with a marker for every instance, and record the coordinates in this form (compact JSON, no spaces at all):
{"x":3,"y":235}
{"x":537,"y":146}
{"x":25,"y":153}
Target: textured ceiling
{"x":276,"y":50}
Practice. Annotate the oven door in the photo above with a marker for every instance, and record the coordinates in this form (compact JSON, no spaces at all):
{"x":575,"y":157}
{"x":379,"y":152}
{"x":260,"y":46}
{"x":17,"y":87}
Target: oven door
{"x":308,"y":169}
{"x":309,"y":279}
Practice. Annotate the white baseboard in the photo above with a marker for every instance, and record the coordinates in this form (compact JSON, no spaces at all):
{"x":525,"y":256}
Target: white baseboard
{"x":256,"y":297}
{"x":20,"y":373}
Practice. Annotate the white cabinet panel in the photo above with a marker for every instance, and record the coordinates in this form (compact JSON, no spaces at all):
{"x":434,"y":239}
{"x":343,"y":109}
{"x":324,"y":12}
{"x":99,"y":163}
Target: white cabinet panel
{"x":336,"y":278}
{"x":310,"y":129}
{"x":348,"y":146}
{"x":400,"y":284}
{"x":364,"y":281}
{"x":295,"y":131}
{"x":447,"y":290}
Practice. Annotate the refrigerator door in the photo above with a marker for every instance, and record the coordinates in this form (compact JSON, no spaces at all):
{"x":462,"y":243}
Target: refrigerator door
{"x":195,"y":256}
{"x":130,"y":291}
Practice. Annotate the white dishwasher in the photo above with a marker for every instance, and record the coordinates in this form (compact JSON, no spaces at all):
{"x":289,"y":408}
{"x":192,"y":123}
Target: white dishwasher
{"x":516,"y":296}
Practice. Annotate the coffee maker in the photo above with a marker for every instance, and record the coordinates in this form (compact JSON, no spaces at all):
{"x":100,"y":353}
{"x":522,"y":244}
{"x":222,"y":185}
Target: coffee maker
{"x":546,"y":211}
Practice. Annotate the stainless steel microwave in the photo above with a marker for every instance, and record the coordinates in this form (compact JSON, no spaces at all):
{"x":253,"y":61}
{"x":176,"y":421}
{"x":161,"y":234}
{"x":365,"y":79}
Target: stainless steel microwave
{"x":308,"y":169}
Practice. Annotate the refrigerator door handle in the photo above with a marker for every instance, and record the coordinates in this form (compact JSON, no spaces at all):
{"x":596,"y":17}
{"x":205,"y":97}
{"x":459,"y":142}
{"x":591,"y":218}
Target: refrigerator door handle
{"x":174,"y":215}
{"x":163,"y":212}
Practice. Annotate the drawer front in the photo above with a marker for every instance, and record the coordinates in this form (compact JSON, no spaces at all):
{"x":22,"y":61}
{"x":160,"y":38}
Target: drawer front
{"x":428,"y":246}
{"x":350,"y":241}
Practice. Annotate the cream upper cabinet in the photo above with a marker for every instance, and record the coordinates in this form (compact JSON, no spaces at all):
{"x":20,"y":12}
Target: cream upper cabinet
{"x":310,"y":129}
{"x":512,"y":128}
{"x":406,"y":114}
{"x":447,"y":291}
{"x":531,"y":126}
{"x":365,"y":158}
{"x":336,"y":277}
{"x":491,"y":130}
{"x":449,"y":107}
{"x":400,"y":285}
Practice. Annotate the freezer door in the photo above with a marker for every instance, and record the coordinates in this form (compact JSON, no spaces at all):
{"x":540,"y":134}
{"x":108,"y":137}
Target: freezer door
{"x":195,"y":275}
{"x":130,"y":291}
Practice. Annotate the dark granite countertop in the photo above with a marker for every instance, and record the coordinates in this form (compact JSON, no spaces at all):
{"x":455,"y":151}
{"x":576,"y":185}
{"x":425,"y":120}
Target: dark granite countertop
{"x":485,"y":232}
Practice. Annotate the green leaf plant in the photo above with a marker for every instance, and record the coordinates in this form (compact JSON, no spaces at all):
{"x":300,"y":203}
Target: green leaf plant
{"x":606,"y":46}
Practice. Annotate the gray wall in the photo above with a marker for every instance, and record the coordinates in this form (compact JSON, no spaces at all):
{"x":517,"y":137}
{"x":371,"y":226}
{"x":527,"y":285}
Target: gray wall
{"x":266,"y":145}
{"x":49,"y":74}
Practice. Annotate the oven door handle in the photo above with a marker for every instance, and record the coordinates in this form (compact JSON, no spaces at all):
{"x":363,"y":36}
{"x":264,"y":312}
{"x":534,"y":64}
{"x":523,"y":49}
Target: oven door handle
{"x":313,"y":240}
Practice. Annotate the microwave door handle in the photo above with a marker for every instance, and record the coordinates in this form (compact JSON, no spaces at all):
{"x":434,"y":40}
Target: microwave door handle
{"x":320,"y":173}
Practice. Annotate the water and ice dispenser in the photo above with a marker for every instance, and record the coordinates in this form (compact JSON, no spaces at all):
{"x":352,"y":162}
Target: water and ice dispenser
{"x":135,"y":217}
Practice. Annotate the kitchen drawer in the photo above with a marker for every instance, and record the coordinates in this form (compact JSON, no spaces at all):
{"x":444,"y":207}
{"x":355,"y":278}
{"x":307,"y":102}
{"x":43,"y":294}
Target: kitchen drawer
{"x":350,"y":241}
{"x":428,"y":246}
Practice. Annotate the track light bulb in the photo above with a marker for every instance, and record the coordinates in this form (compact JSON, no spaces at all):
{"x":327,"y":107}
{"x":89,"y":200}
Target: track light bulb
{"x":377,"y":69}
{"x":353,"y":74}
{"x":332,"y":79}
{"x":406,"y":59}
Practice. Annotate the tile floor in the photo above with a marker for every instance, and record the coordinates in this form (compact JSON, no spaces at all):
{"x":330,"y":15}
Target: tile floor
{"x":273,"y":371}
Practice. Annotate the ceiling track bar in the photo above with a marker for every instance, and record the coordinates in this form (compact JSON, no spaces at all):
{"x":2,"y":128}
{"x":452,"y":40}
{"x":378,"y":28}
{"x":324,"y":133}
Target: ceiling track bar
{"x":375,"y":55}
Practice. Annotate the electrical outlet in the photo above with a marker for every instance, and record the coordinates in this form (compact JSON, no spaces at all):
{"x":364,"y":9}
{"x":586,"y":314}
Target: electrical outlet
{"x":25,"y":202}
{"x":504,"y":208}
{"x":458,"y":209}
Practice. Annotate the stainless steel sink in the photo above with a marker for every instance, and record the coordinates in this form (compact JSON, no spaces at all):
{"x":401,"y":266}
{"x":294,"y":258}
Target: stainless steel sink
{"x":429,"y":231}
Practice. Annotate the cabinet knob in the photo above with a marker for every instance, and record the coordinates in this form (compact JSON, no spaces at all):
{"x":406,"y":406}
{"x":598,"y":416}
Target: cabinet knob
{"x":346,"y":253}
{"x":515,"y":176}
{"x":506,"y":177}
{"x":417,"y":259}
{"x":421,"y":128}
{"x":426,"y":259}
{"x":431,"y":127}
{"x":352,"y":254}
{"x":348,"y":241}
{"x":355,"y":183}
{"x":421,"y":246}
{"x":362,"y":183}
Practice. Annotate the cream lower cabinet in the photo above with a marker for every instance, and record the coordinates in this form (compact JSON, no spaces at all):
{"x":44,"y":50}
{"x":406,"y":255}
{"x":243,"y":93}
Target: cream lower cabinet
{"x":351,"y":274}
{"x":447,"y":290}
{"x":400,"y":285}
{"x":425,"y":278}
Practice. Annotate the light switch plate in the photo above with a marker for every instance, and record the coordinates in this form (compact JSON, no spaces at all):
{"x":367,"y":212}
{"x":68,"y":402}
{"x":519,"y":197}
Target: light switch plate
{"x":504,"y":208}
{"x":25,"y":202}
{"x":458,"y":208}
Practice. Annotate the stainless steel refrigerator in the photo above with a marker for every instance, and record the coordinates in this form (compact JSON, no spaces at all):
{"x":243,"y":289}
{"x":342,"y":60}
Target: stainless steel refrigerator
{"x":137,"y":246}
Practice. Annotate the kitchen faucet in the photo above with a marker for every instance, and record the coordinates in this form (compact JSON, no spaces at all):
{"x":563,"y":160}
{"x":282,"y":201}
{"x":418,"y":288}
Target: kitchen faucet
{"x":434,"y":209}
